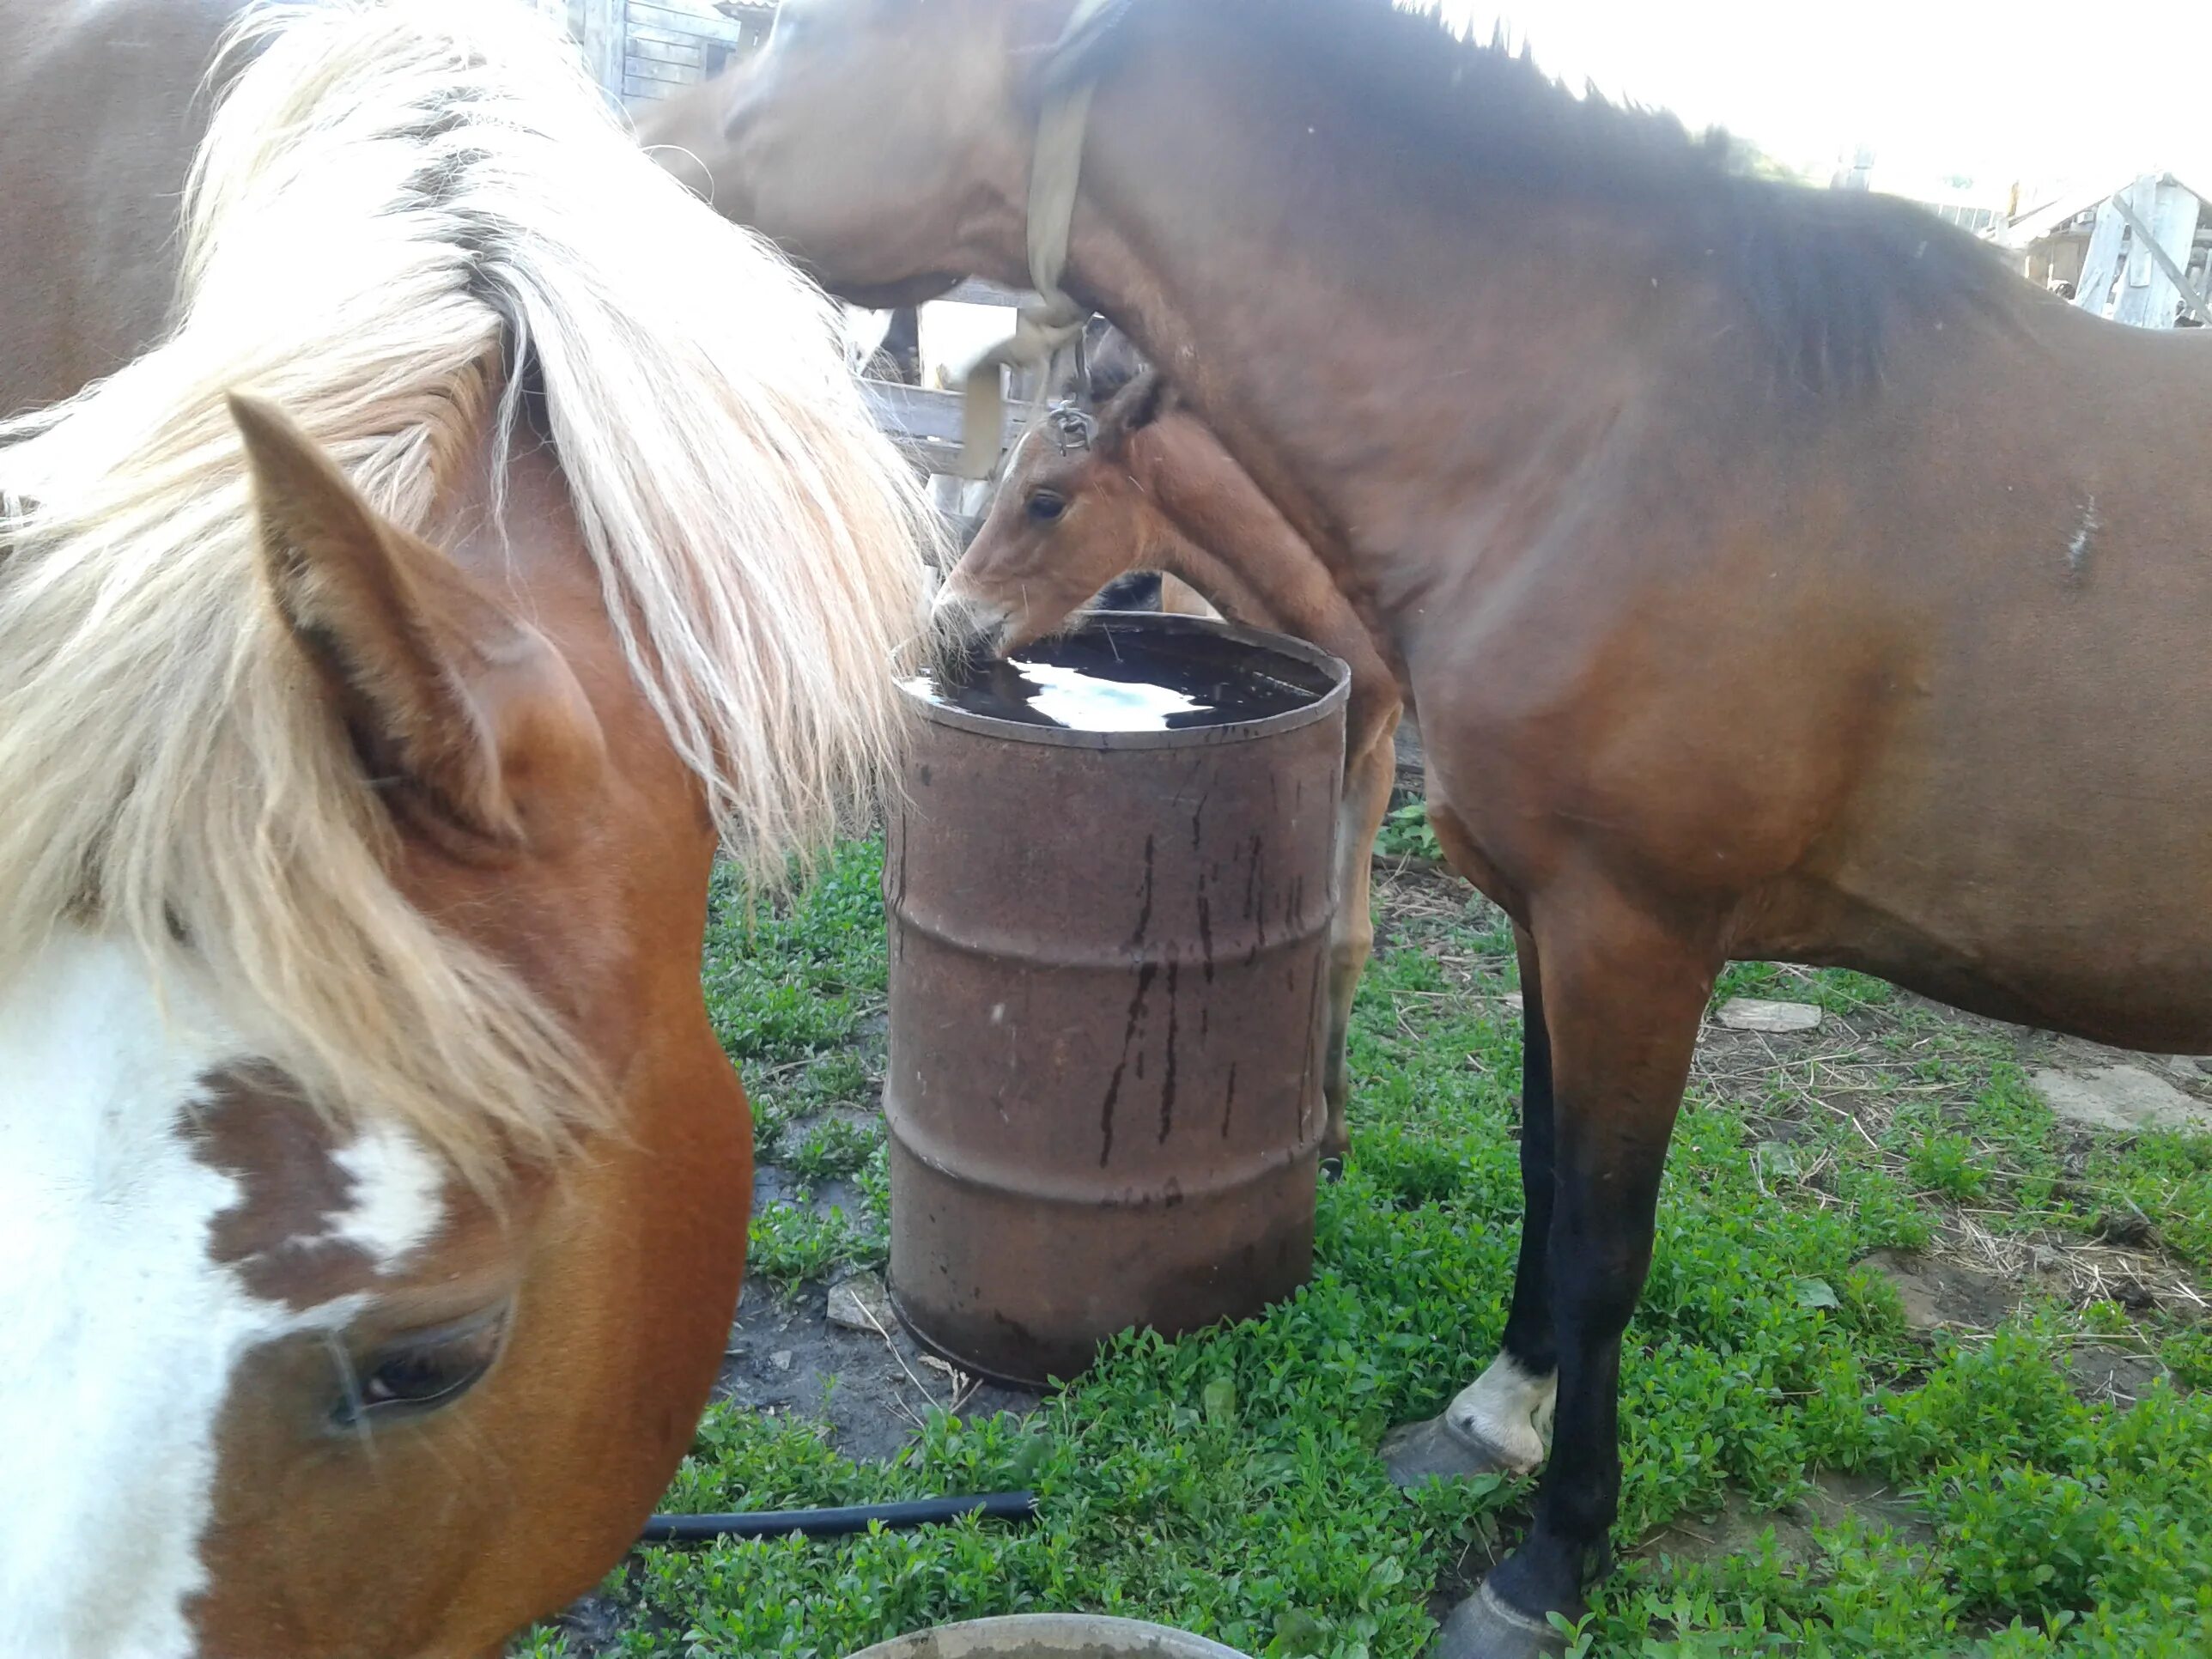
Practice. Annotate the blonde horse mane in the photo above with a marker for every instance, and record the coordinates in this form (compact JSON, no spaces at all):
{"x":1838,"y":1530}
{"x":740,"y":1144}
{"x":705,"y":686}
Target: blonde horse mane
{"x":398,"y":204}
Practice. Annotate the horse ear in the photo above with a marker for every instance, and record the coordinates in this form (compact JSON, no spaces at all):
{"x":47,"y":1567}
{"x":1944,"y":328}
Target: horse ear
{"x":1111,"y":360}
{"x":1138,"y":404}
{"x":1153,"y":398}
{"x":443,"y":688}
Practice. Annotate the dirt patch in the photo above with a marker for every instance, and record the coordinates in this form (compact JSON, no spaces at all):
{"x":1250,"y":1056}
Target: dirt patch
{"x":1940,"y":1295}
{"x":874,"y":1389}
{"x":1738,"y":1527}
{"x":2113,"y":1375}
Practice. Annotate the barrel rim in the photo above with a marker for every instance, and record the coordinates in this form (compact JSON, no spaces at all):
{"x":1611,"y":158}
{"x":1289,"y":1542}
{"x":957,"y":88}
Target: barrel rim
{"x":1195,"y":736}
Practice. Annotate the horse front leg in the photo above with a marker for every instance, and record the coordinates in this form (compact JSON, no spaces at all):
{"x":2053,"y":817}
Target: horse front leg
{"x":1368,"y":777}
{"x":1497,"y":1423}
{"x":1621,"y":997}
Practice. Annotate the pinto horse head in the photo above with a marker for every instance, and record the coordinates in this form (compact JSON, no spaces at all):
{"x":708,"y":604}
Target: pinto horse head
{"x":373,"y":1187}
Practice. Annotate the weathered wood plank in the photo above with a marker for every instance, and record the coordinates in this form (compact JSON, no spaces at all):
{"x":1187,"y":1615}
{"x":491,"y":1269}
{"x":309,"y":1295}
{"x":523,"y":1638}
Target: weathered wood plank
{"x":2143,"y":196}
{"x":658,"y":51}
{"x":601,"y":37}
{"x":646,"y":69}
{"x":676,"y":19}
{"x":926,"y":415}
{"x":669,"y":37}
{"x":2167,"y":240}
{"x":2100,"y":262}
{"x":976,"y":292}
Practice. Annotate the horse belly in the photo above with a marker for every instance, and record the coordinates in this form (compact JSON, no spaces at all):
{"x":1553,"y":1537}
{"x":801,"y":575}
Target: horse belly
{"x":2030,"y":840}
{"x":1898,"y":796}
{"x":2063,"y":908}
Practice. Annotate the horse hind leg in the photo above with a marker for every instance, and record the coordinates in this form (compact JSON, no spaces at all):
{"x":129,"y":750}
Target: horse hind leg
{"x":1622,"y":995}
{"x":1498,"y":1424}
{"x":1367,"y":780}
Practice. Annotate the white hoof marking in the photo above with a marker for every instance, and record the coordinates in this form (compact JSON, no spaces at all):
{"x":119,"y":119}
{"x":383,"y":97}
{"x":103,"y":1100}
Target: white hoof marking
{"x":1508,"y":1410}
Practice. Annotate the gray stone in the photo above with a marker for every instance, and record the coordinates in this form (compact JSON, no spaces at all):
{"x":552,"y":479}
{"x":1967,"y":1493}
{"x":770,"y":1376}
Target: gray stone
{"x":781,"y":1359}
{"x":861,"y":1304}
{"x":1755,"y":1014}
{"x":2127,"y":1098}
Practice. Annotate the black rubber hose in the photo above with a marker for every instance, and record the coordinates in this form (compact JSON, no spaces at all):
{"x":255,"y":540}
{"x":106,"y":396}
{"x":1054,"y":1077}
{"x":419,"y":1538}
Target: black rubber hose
{"x":837,"y":1524}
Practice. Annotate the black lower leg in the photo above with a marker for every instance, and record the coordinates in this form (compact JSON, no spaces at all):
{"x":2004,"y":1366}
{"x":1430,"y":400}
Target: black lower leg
{"x":1601,"y":1250}
{"x":1621,"y":1004}
{"x":1530,"y":1341}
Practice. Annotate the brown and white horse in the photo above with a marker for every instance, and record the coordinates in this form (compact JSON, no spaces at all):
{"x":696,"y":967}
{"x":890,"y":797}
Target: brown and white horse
{"x":1776,"y":576}
{"x":1139,"y":484}
{"x":380,"y":654}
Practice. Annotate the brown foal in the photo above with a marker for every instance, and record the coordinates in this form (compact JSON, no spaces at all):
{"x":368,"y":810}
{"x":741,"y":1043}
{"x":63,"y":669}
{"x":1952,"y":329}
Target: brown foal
{"x":1143,"y":486}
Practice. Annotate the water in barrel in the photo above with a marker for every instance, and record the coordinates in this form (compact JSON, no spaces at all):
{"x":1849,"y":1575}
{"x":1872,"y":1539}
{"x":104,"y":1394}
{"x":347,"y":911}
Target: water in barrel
{"x":1113,"y":677}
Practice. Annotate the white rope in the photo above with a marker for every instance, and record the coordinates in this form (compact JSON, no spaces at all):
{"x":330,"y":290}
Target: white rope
{"x":1041,"y":331}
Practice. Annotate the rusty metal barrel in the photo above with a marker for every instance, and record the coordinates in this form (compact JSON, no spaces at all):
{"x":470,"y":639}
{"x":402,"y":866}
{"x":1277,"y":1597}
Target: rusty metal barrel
{"x":1109,"y":982}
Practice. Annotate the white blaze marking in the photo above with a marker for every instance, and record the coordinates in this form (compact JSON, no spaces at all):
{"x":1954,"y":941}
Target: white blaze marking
{"x":118,"y":1334}
{"x":1507,"y":1411}
{"x":395,"y":1194}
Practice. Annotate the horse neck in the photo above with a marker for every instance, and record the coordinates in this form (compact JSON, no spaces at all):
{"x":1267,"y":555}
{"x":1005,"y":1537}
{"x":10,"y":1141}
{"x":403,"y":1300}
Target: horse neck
{"x":1233,"y":546}
{"x":1389,"y":342}
{"x":1222,"y":560}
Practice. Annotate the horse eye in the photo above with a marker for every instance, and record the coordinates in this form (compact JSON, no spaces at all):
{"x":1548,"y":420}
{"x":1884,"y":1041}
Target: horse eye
{"x":422,"y":1370}
{"x":1044,"y":506}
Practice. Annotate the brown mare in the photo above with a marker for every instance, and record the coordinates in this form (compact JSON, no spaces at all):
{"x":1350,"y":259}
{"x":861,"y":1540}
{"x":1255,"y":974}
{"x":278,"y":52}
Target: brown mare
{"x":1775,"y":574}
{"x":372,"y":1188}
{"x":1141,"y":485}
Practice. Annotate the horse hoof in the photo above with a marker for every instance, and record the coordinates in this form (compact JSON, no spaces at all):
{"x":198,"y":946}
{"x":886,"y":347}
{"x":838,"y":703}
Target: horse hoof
{"x":1485,"y":1626}
{"x":1332,"y":1168}
{"x":1417,"y":1452}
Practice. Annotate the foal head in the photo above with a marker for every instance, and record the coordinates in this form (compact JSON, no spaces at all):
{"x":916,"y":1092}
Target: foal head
{"x":372,"y":1188}
{"x":1069,"y":517}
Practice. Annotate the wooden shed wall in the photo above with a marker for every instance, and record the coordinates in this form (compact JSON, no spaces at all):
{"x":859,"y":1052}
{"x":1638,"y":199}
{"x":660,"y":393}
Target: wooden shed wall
{"x":642,"y":50}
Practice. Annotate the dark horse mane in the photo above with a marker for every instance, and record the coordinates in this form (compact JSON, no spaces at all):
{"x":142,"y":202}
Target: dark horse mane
{"x":1829,"y":277}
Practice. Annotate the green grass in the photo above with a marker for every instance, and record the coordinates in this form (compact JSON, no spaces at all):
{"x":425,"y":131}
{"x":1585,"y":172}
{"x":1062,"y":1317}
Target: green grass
{"x":790,"y":986}
{"x":836,"y":1147}
{"x":1226,"y":1483}
{"x":1406,"y":832}
{"x":791,"y":981}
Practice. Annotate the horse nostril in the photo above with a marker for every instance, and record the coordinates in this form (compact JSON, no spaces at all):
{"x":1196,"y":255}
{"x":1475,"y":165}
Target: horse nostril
{"x":967,"y":628}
